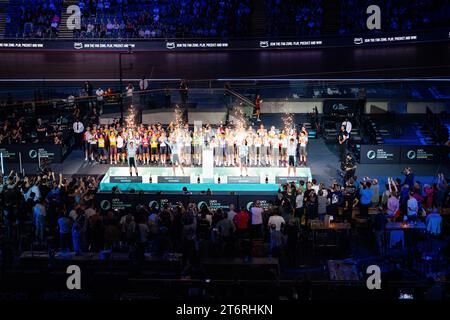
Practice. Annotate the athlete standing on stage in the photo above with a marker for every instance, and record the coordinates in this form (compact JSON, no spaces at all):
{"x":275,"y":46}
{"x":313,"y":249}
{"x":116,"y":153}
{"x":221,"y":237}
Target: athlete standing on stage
{"x":176,"y":152}
{"x":131,"y":151}
{"x":120,"y":148}
{"x":265,"y":150}
{"x":229,"y":138}
{"x":291,"y":152}
{"x":258,"y":148}
{"x":223,"y":149}
{"x":284,"y":142}
{"x":251,"y":147}
{"x":216,"y":149}
{"x":163,"y":147}
{"x":112,"y":147}
{"x":243,"y":157}
{"x":303,"y":141}
{"x":275,"y":141}
{"x":187,"y":147}
{"x":87,"y":136}
{"x":93,"y":144}
{"x":145,"y":149}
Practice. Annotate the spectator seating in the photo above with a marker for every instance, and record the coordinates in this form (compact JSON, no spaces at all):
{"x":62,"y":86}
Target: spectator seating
{"x":33,"y":18}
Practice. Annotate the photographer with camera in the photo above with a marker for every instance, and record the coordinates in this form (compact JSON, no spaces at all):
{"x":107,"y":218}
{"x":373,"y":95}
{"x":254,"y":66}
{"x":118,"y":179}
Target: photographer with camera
{"x":348,"y":167}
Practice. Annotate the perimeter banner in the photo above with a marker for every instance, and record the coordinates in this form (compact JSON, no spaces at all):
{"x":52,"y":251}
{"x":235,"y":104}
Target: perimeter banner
{"x":393,"y":154}
{"x":107,"y":201}
{"x":218,"y":45}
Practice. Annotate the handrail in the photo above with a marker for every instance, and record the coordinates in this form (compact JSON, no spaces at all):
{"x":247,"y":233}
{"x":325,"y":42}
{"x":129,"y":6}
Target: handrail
{"x":240,"y":97}
{"x":123,"y":94}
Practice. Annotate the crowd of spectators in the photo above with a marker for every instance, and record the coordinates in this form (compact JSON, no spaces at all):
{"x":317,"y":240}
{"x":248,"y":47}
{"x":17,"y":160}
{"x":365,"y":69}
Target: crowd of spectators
{"x":64,"y":216}
{"x":299,"y":18}
{"x":158,"y":19}
{"x":33,"y":18}
{"x":396,"y":15}
{"x":16,"y":128}
{"x":218,"y":19}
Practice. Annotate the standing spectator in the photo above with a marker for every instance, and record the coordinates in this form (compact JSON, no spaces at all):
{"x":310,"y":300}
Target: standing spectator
{"x":409,"y":177}
{"x":257,"y":220}
{"x":275,"y":242}
{"x":299,"y":201}
{"x":142,"y":233}
{"x":231,"y":212}
{"x":241,"y":221}
{"x":129,"y":90}
{"x":322,"y":202}
{"x":311,"y":206}
{"x":343,"y":140}
{"x":393,"y":205}
{"x":39,"y":213}
{"x":413,"y":206}
{"x":65,"y":228}
{"x":143,"y":84}
{"x":365,"y":199}
{"x":429,"y":192}
{"x":376,"y":192}
{"x":88,"y":88}
{"x":349,"y":199}
{"x":203,"y":225}
{"x":100,"y":99}
{"x":41,"y":130}
{"x":334,"y":201}
{"x":378,"y":226}
{"x":441,"y":189}
{"x":79,"y":232}
{"x":226,"y":229}
{"x":292,"y":232}
{"x":78,"y":129}
{"x":276,"y":220}
{"x":143,"y":87}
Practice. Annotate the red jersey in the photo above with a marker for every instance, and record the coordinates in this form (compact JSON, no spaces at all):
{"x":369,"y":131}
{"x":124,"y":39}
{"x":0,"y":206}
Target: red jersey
{"x":241,"y":220}
{"x":145,"y":141}
{"x":257,"y":103}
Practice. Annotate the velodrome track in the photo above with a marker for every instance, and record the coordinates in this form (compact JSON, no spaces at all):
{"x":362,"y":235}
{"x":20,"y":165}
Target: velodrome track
{"x":431,"y":60}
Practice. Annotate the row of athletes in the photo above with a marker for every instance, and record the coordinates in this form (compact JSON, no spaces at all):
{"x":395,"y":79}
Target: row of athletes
{"x":265,"y":147}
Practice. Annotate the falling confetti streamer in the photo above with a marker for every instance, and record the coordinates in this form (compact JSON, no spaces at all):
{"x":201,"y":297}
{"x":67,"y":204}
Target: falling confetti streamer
{"x":179,"y":119}
{"x":288,"y":120}
{"x":240,"y":120}
{"x":130,"y":119}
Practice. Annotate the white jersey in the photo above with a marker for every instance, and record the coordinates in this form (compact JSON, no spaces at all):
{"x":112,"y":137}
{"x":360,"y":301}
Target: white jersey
{"x":303,"y":141}
{"x":348,"y":126}
{"x":119,"y":141}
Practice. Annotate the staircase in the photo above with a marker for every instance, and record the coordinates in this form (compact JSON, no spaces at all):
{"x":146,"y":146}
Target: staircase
{"x":63,"y":31}
{"x":331,"y":15}
{"x":3,"y":11}
{"x":259,"y":19}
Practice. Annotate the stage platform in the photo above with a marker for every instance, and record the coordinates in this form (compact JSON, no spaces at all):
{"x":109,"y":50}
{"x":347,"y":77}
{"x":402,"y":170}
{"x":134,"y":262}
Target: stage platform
{"x":162,"y":179}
